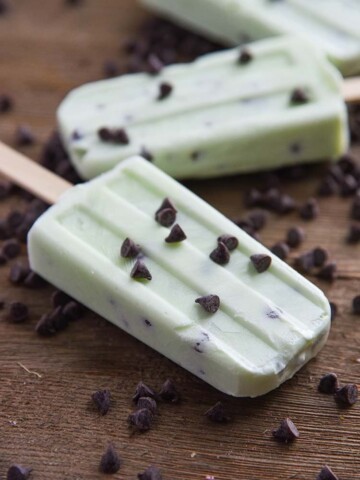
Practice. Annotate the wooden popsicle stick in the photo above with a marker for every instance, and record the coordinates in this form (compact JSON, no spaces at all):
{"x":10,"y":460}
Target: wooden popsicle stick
{"x":351,"y":90}
{"x":32,"y":177}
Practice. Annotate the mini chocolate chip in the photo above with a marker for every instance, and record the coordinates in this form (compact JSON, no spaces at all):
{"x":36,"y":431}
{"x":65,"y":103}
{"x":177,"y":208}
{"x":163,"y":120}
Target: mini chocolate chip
{"x":168,"y":392}
{"x":111,"y":69}
{"x":334,"y":311}
{"x":309,"y":210}
{"x":110,"y":461}
{"x":33,"y":280}
{"x":5,"y":189}
{"x":326,"y":474}
{"x":261,"y":262}
{"x":24,"y":136}
{"x":327,"y":187}
{"x":229,"y":241}
{"x":221,"y":254}
{"x":245,"y":56}
{"x":11,"y":248}
{"x":15,"y":218}
{"x":347,"y":395}
{"x":305,"y":262}
{"x":72,"y":311}
{"x":147,"y":322}
{"x":285,"y":204}
{"x":51,"y":323}
{"x":166,"y":213}
{"x":353,"y":235}
{"x":102,"y":400}
{"x":18,"y":312}
{"x":6,"y":102}
{"x":141,"y":419}
{"x":217,"y":413}
{"x":286,"y":432}
{"x":210,"y":303}
{"x":151,"y":473}
{"x":347,"y":163}
{"x":59,"y":298}
{"x":320,"y":256}
{"x":176,"y":235}
{"x":5,"y":231}
{"x":299,"y":96}
{"x":355,"y":208}
{"x":281,"y":250}
{"x":147,"y":402}
{"x":129,"y":249}
{"x":143,"y":390}
{"x":154,"y":64}
{"x":17,"y":472}
{"x":115,"y":135}
{"x":336,"y":173}
{"x":145,"y":153}
{"x":295,"y":236}
{"x":253,"y":198}
{"x":348,"y":186}
{"x":18,"y":273}
{"x":257,"y":219}
{"x":165,"y":90}
{"x":356,"y":305}
{"x":140,"y":271}
{"x":328,"y":272}
{"x":166,"y":203}
{"x":328,"y":383}
{"x":195,"y":155}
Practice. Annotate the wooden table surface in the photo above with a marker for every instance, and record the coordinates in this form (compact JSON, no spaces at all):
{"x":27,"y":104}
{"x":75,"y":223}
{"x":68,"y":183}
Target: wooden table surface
{"x":46,"y":420}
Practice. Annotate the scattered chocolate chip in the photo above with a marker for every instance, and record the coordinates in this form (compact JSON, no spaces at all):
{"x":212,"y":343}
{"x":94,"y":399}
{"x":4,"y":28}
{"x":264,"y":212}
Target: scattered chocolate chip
{"x":11,"y":248}
{"x":6,"y":102}
{"x":5,"y":189}
{"x":129,"y":249}
{"x":221,"y":254}
{"x":257,"y":219}
{"x":51,"y":323}
{"x":299,"y":96}
{"x":60,"y":299}
{"x":143,"y":390}
{"x":326,"y":474}
{"x":229,"y":241}
{"x":327,"y":187}
{"x":72,"y":311}
{"x":347,"y":163}
{"x":320,"y":256}
{"x":286,"y":204}
{"x":111,"y":69}
{"x":329,"y":272}
{"x":147,"y":402}
{"x":348,"y":186}
{"x":245,"y":56}
{"x":217,"y":413}
{"x":328,"y":383}
{"x":309,"y":210}
{"x":24,"y":136}
{"x":5,"y":231}
{"x":18,"y":273}
{"x":34,"y":281}
{"x":281,"y":250}
{"x":347,"y":395}
{"x":165,"y":90}
{"x":151,"y":473}
{"x":305,"y":262}
{"x":114,"y":135}
{"x":169,"y":393}
{"x":145,"y":153}
{"x":253,"y":198}
{"x":356,"y":305}
{"x":353,"y":235}
{"x":15,"y":218}
{"x":336,"y":173}
{"x":154,"y":64}
{"x":355,"y":208}
{"x":140,"y":271}
{"x":286,"y":432}
{"x":295,"y":236}
{"x":17,"y":472}
{"x":18,"y":312}
{"x":210,"y":303}
{"x":176,"y":235}
{"x":102,"y":400}
{"x":110,"y":461}
{"x":141,"y":419}
{"x":334,"y":310}
{"x":261,"y":262}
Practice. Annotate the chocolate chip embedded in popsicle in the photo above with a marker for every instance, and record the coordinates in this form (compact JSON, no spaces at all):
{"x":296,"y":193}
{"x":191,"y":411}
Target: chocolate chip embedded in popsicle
{"x":230,"y":241}
{"x":176,"y":235}
{"x":299,"y":96}
{"x":245,"y":56}
{"x":166,"y":213}
{"x":140,"y":271}
{"x":114,"y":135}
{"x":261,"y":262}
{"x":165,"y":90}
{"x":210,"y":303}
{"x":220,"y":254}
{"x":129,"y":249}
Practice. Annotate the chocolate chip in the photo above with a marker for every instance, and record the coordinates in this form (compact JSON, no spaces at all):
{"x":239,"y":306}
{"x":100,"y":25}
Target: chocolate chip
{"x":168,"y":392}
{"x":143,"y":390}
{"x":257,"y":219}
{"x":286,"y":432}
{"x":18,"y":312}
{"x":5,"y":189}
{"x":229,"y":241}
{"x":217,"y":413}
{"x":328,"y":383}
{"x":15,"y":218}
{"x":17,"y":472}
{"x":281,"y":250}
{"x":309,"y":210}
{"x":110,"y":461}
{"x":176,"y":235}
{"x":305,"y":262}
{"x":356,"y":305}
{"x":111,"y":69}
{"x":336,"y":173}
{"x":11,"y":248}
{"x":145,"y":153}
{"x":74,"y":3}
{"x":245,"y":56}
{"x":353,"y":235}
{"x":347,"y":395}
{"x":3,"y":259}
{"x":115,"y":135}
{"x":18,"y":273}
{"x":147,"y":402}
{"x":6,"y":102}
{"x":327,"y":187}
{"x":295,"y":236}
{"x":329,"y":272}
{"x":320,"y":256}
{"x":72,"y":311}
{"x":221,"y":254}
{"x":210,"y":303}
{"x":165,"y":90}
{"x":51,"y":323}
{"x":151,"y":473}
{"x":348,"y":186}
{"x":5,"y":231}
{"x":347,"y":163}
{"x":141,"y":420}
{"x":253,"y":198}
{"x":334,"y":310}
{"x":24,"y":136}
{"x":285,"y":204}
{"x":102,"y":400}
{"x":299,"y":96}
{"x":261,"y":262}
{"x":140,"y":271}
{"x":129,"y":249}
{"x":59,"y":298}
{"x":34,"y":281}
{"x":355,"y":208}
{"x":154,"y":64}
{"x":326,"y":474}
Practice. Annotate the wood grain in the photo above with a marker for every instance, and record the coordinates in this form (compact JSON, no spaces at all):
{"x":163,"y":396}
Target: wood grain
{"x":47,"y":422}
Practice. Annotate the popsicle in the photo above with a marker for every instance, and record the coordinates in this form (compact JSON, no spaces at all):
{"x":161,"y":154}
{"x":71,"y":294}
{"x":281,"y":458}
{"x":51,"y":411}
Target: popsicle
{"x":145,"y":253}
{"x":332,"y":25}
{"x":277,"y":102}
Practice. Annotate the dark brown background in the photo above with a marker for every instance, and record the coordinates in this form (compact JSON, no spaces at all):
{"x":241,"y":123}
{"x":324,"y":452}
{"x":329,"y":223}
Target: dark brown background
{"x":46,"y":49}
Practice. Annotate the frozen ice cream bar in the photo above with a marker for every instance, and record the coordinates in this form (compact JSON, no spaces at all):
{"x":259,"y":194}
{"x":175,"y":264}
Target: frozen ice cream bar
{"x":332,"y":25}
{"x":275,"y":103}
{"x":142,"y":251}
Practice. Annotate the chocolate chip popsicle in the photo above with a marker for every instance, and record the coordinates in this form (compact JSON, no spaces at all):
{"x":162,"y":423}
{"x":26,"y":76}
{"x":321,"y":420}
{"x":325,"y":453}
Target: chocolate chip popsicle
{"x":332,"y":25}
{"x":274,"y":103}
{"x":151,"y":257}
